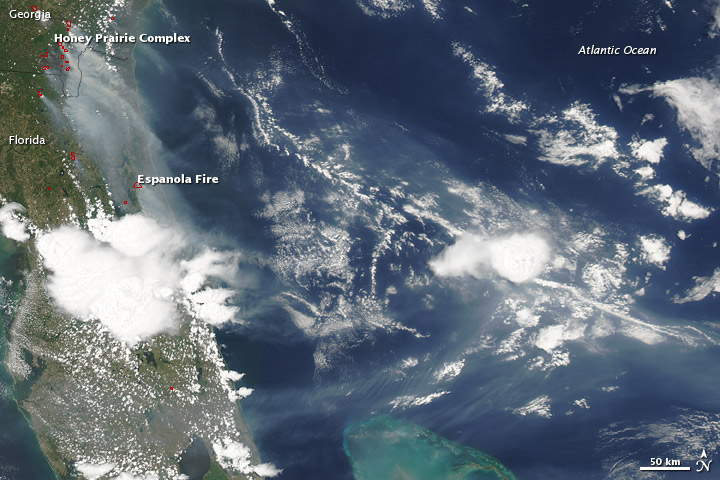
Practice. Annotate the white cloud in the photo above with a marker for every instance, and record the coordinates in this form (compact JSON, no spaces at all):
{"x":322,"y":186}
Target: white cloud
{"x":385,"y":8}
{"x":433,"y":7}
{"x":676,"y":203}
{"x":539,"y":406}
{"x":697,"y":103}
{"x":582,"y":403}
{"x":704,"y":286}
{"x":525,"y":318}
{"x":131,"y":296}
{"x":606,"y":276}
{"x":128,"y":274}
{"x":516,"y":139}
{"x":715,"y":25}
{"x":650,"y":151}
{"x":92,"y":471}
{"x":449,"y":370}
{"x":130,"y":476}
{"x":13,"y":226}
{"x":648,"y":117}
{"x":240,"y":393}
{"x":236,"y":456}
{"x":210,"y":305}
{"x":409,"y":362}
{"x":266,"y":470}
{"x":576,"y":138}
{"x":551,"y":337}
{"x":519,"y":257}
{"x":406,"y":401}
{"x":655,"y":250}
{"x":491,"y":87}
{"x":234,"y":376}
{"x":135,"y":235}
{"x":645,"y":172}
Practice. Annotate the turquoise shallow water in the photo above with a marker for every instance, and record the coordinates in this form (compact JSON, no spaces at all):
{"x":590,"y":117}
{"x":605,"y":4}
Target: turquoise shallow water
{"x":384,"y":448}
{"x":20,"y":454}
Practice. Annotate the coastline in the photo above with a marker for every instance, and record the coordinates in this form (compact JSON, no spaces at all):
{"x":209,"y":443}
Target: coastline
{"x":22,"y":439}
{"x":26,"y":326}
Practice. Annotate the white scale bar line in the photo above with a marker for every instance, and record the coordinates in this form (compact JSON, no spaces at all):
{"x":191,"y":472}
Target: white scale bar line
{"x":665,"y":469}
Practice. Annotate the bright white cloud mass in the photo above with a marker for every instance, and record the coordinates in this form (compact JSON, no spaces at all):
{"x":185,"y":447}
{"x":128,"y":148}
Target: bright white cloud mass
{"x":676,"y":203}
{"x":697,"y":103}
{"x":519,"y":257}
{"x":235,"y":455}
{"x":93,"y":471}
{"x":649,"y":151}
{"x":654,"y":250}
{"x":704,"y":286}
{"x":129,"y":275}
{"x":13,"y":227}
{"x":575,"y":138}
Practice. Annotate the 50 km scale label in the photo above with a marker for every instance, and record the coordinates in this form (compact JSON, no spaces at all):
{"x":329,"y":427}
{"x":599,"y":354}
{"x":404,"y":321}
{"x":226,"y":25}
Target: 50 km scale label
{"x":665,"y":464}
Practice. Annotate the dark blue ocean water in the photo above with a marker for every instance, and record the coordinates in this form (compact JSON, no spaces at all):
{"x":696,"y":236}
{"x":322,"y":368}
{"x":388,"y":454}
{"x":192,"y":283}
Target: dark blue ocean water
{"x":409,"y":109}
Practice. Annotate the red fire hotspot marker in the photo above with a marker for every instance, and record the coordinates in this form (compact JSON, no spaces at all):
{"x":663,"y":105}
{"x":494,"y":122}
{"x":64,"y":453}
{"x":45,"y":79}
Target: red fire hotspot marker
{"x":171,"y":388}
{"x":125,"y":203}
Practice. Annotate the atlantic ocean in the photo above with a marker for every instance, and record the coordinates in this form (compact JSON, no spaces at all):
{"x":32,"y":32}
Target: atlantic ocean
{"x":401,"y":74}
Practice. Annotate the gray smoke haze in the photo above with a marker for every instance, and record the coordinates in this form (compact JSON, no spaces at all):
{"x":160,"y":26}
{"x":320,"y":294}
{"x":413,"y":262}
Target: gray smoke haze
{"x":103,"y":112}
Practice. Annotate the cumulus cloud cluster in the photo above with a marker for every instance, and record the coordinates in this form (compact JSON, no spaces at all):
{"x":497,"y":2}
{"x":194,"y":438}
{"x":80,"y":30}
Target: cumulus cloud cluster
{"x":130,"y":476}
{"x":13,"y":226}
{"x":655,"y":250}
{"x":393,"y":8}
{"x":539,"y":406}
{"x":651,"y":151}
{"x":130,"y":274}
{"x":518,"y":257}
{"x":676,"y":203}
{"x":93,"y":471}
{"x":576,"y":138}
{"x":491,"y":87}
{"x":697,"y":103}
{"x":236,"y":456}
{"x":551,"y":337}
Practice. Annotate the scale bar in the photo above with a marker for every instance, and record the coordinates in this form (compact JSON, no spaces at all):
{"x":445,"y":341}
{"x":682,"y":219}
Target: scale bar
{"x":665,"y":469}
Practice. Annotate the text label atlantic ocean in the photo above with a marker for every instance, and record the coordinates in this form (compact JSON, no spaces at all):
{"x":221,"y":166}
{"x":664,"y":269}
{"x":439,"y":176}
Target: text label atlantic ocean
{"x":612,"y":50}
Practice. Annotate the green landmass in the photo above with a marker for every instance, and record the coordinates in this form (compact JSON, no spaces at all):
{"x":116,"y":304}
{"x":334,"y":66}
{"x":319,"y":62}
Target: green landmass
{"x":384,"y":448}
{"x":88,"y":396}
{"x":215,"y":473}
{"x":37,"y":175}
